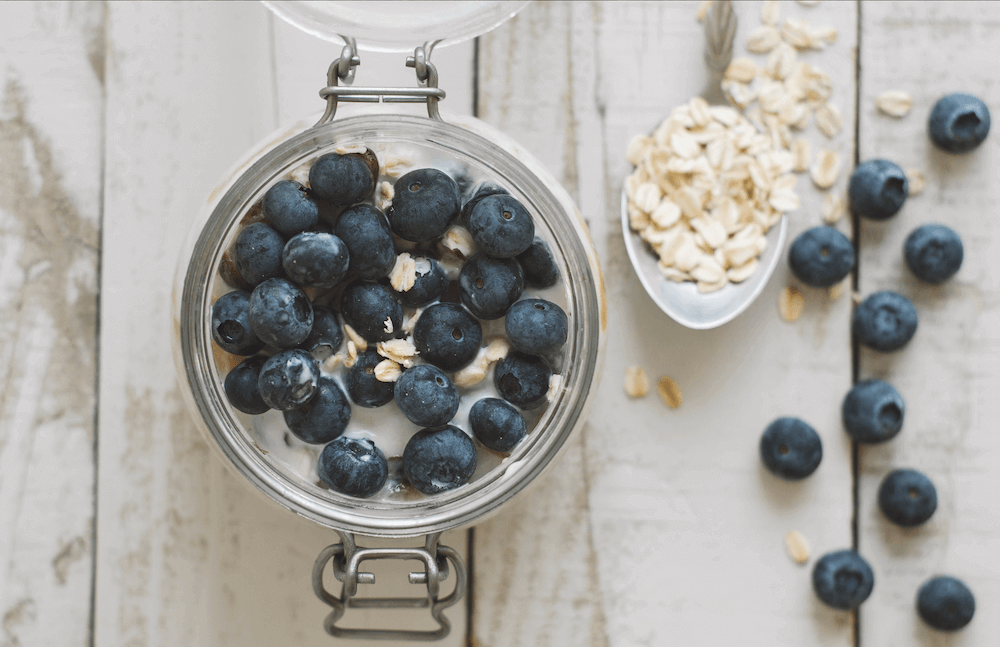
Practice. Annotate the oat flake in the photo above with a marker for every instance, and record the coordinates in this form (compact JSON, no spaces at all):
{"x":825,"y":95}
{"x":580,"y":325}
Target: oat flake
{"x":798,"y":547}
{"x":636,"y":382}
{"x":915,"y":182}
{"x":894,"y":103}
{"x":790,"y":303}
{"x":670,"y":392}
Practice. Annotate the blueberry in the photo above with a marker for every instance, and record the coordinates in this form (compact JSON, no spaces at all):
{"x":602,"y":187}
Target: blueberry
{"x":497,"y":424}
{"x":241,"y":386}
{"x":489,"y":286}
{"x":877,"y":189}
{"x":288,"y":379}
{"x":436,"y":460}
{"x":485,"y":189}
{"x":959,"y":122}
{"x":523,"y":379}
{"x":344,"y":179}
{"x":364,"y":230}
{"x":426,"y":396}
{"x":289,"y":208}
{"x":873,"y":411}
{"x":540,"y":269}
{"x":353,"y":466}
{"x":280,"y":313}
{"x":536,"y":326}
{"x":362,"y":385}
{"x":791,"y":448}
{"x":447,"y":336}
{"x":367,"y":307}
{"x":315,"y":260}
{"x":231,"y":324}
{"x":257,"y":253}
{"x":945,"y":603}
{"x":501,"y":226}
{"x":933,"y":253}
{"x":326,"y":332}
{"x":821,"y":257}
{"x":425,"y":205}
{"x":430,"y":284}
{"x":323,"y":417}
{"x":843,"y":579}
{"x":885,"y":321}
{"x":907,"y":497}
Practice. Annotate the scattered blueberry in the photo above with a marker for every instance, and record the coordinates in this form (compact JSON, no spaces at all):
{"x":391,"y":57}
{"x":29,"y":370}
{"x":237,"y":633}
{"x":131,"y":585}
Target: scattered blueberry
{"x":945,"y":603}
{"x":885,"y":321}
{"x":959,"y":122}
{"x":436,"y":460}
{"x":364,"y":388}
{"x":536,"y":326}
{"x":489,"y":286}
{"x":289,"y":208}
{"x":843,"y":579}
{"x":288,"y":379}
{"x":353,"y":466}
{"x":447,"y":336}
{"x":241,"y":386}
{"x":498,"y":425}
{"x":540,"y":269}
{"x":791,"y":448}
{"x":257,"y":253}
{"x":326,"y":332}
{"x":873,"y":411}
{"x":323,"y":417}
{"x":367,"y":307}
{"x":501,"y":226}
{"x":821,"y":257}
{"x":280,"y":313}
{"x":907,"y":497}
{"x":484,"y":190}
{"x":431,"y":282}
{"x":877,"y":189}
{"x":315,"y":260}
{"x":522,"y":379}
{"x":344,"y":179}
{"x":933,"y":253}
{"x":426,"y":396}
{"x":365,"y":231}
{"x":425,"y":205}
{"x":231,"y":328}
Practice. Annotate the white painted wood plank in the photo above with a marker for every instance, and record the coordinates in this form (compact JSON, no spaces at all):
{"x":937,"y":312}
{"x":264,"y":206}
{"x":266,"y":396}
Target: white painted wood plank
{"x":950,"y":371}
{"x":50,"y":187}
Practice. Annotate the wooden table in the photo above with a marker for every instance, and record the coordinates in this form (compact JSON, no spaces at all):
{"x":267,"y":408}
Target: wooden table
{"x":118,"y":524}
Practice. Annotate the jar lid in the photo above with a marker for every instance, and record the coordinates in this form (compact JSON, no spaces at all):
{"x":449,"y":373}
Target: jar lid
{"x":394,"y":26}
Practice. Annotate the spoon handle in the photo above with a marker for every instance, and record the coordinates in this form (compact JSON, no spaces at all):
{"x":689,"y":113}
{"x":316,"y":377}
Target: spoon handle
{"x":720,"y":30}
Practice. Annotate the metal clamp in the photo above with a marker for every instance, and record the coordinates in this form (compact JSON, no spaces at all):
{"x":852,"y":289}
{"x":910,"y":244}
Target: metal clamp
{"x":347,"y":557}
{"x":342,"y":69}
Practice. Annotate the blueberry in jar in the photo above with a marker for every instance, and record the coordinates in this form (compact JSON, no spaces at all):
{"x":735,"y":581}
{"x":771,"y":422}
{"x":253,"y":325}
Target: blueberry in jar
{"x":958,"y":122}
{"x":315,"y":260}
{"x":288,"y":379}
{"x":933,"y":253}
{"x":365,"y":231}
{"x":289,"y":208}
{"x":885,"y":321}
{"x":280,"y":313}
{"x":344,"y":179}
{"x":323,"y":417}
{"x":447,"y":336}
{"x":437,"y":460}
{"x":483,"y":190}
{"x":353,"y":466}
{"x":501,"y":226}
{"x":241,"y":386}
{"x":523,"y":379}
{"x":538,"y":264}
{"x":489,"y":286}
{"x":231,"y":328}
{"x":843,"y":579}
{"x":497,"y":424}
{"x":907,"y":497}
{"x":257,"y":253}
{"x":791,"y":448}
{"x":877,"y":189}
{"x":428,"y":286}
{"x":821,"y":257}
{"x":364,"y":388}
{"x":326,"y":335}
{"x":370,"y":309}
{"x":536,"y":326}
{"x":426,"y":202}
{"x":946,"y":603}
{"x":426,"y":396}
{"x":872,"y":411}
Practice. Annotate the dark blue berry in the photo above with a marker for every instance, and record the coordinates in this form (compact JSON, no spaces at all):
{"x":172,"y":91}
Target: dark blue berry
{"x":791,"y":448}
{"x":436,"y":460}
{"x":873,"y":411}
{"x":353,"y":466}
{"x":539,"y":266}
{"x":523,"y":379}
{"x":933,"y":253}
{"x":241,"y":386}
{"x":489,"y":286}
{"x":362,"y":385}
{"x":231,"y":328}
{"x":364,"y":230}
{"x":425,"y":204}
{"x":344,"y":179}
{"x":367,"y":307}
{"x":946,"y":603}
{"x":257,"y":253}
{"x":280,"y":313}
{"x":498,"y":425}
{"x":288,"y":379}
{"x":959,"y":122}
{"x":289,"y":208}
{"x":501,"y":226}
{"x":843,"y":579}
{"x":907,"y":497}
{"x":430,"y":284}
{"x":821,"y":257}
{"x":323,"y":417}
{"x":326,"y":334}
{"x":536,"y":326}
{"x":484,"y":190}
{"x":447,"y":336}
{"x":426,"y":396}
{"x":315,"y":260}
{"x":877,"y":189}
{"x":885,"y":321}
